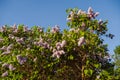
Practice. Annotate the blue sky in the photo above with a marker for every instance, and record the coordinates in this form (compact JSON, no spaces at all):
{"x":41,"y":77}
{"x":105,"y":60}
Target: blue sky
{"x":52,"y":12}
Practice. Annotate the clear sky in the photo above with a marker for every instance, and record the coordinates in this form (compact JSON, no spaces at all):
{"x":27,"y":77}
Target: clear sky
{"x":52,"y":12}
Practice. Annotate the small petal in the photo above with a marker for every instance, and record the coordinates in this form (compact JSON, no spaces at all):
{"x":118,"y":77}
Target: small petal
{"x":90,"y":10}
{"x":58,"y":56}
{"x":96,"y":14}
{"x":58,"y":47}
{"x":81,"y":41}
{"x":63,"y":43}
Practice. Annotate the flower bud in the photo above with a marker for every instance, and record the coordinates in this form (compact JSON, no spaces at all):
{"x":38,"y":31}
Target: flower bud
{"x":96,"y":14}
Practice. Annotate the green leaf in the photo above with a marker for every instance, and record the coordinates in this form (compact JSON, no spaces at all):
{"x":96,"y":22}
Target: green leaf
{"x":96,"y":65}
{"x":87,"y":62}
{"x":71,"y":57}
{"x":90,"y":71}
{"x":48,"y":29}
{"x":86,"y":72}
{"x":68,"y":10}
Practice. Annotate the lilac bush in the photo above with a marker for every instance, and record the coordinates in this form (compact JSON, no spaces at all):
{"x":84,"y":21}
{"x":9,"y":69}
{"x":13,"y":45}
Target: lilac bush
{"x":77,"y":53}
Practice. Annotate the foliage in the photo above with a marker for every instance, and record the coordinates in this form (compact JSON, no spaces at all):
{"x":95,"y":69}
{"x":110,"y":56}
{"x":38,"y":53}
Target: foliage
{"x":74,"y":54}
{"x":117,"y":62}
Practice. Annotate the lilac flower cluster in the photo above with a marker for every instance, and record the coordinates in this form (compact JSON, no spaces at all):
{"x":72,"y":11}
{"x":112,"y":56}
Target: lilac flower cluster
{"x":71,"y":16}
{"x":19,"y":40}
{"x":6,"y":49}
{"x":90,"y":14}
{"x":42,"y":43}
{"x":55,"y":29}
{"x":14,"y":27}
{"x":60,"y":45}
{"x":58,"y":52}
{"x":21,"y":60}
{"x":74,"y":30}
{"x":3,"y":29}
{"x":9,"y":66}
